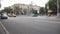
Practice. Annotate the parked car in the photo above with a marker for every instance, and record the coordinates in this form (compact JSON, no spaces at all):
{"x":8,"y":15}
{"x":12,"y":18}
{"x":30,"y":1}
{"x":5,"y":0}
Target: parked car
{"x":11,"y":15}
{"x":0,"y":15}
{"x":4,"y":16}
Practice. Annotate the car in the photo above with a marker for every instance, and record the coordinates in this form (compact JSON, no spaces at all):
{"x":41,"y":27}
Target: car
{"x":11,"y":15}
{"x":0,"y":15}
{"x":4,"y":16}
{"x":35,"y":15}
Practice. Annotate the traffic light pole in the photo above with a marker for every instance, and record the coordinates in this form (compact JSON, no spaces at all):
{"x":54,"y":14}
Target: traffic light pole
{"x":57,"y":8}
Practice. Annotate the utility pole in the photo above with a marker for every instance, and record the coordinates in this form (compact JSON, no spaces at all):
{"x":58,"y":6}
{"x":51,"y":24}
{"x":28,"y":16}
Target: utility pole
{"x":30,"y":8}
{"x":57,"y":8}
{"x":47,"y":8}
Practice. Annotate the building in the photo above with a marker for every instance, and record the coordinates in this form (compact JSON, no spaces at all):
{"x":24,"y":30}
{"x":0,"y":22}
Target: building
{"x":27,"y":9}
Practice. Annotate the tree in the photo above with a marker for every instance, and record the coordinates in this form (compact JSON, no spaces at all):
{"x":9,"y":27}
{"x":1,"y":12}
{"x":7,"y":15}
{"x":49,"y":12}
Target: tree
{"x":25,"y":11}
{"x":2,"y":11}
{"x":17,"y":9}
{"x":8,"y":9}
{"x":34,"y":11}
{"x":42,"y":10}
{"x":46,"y":10}
{"x":53,"y":6}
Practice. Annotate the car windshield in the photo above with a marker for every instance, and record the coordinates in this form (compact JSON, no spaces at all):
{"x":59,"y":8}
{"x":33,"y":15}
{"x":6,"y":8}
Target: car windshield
{"x":4,"y":15}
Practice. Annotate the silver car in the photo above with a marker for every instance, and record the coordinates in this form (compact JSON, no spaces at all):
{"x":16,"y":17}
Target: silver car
{"x":4,"y":16}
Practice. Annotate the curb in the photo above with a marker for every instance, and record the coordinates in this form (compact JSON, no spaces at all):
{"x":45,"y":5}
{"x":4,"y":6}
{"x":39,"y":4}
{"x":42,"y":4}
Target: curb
{"x":4,"y":29}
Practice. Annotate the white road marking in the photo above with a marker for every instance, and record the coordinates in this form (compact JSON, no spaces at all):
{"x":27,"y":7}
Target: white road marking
{"x":5,"y":30}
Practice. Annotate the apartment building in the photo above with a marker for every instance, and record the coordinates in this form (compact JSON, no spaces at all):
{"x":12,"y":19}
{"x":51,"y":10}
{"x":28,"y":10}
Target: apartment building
{"x":27,"y":8}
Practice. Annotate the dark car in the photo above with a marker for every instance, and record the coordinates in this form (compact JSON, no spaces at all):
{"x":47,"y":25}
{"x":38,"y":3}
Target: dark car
{"x":4,"y":16}
{"x":35,"y":15}
{"x":0,"y":15}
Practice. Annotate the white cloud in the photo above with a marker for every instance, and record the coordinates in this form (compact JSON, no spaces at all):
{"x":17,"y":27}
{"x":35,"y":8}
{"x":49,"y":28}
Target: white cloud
{"x":6,"y":3}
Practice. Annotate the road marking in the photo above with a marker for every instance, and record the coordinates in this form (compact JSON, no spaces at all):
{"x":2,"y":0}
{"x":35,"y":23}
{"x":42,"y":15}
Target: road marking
{"x":5,"y":30}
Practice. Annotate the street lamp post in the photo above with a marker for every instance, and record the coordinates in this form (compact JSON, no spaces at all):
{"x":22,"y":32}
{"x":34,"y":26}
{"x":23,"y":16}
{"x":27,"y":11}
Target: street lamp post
{"x":31,"y":5}
{"x":57,"y":8}
{"x":30,"y":8}
{"x":0,"y":3}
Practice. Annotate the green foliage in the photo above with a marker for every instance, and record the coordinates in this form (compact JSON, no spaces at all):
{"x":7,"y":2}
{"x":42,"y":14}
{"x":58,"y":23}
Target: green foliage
{"x":53,"y":5}
{"x":1,"y":11}
{"x":42,"y":10}
{"x":8,"y":9}
{"x":17,"y":9}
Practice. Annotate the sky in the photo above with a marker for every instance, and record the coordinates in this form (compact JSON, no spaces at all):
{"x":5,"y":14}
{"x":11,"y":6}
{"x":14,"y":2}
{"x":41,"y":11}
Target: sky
{"x":6,"y":3}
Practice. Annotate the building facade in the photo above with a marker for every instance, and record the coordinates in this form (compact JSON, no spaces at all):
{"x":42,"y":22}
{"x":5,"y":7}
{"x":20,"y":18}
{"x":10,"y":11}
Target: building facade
{"x":27,"y":9}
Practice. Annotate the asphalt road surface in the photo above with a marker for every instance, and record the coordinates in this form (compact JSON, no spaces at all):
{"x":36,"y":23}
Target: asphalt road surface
{"x":27,"y":25}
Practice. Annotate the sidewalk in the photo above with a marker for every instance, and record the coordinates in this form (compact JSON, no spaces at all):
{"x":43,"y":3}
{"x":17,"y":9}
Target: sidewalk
{"x":41,"y":17}
{"x":52,"y":18}
{"x":1,"y":30}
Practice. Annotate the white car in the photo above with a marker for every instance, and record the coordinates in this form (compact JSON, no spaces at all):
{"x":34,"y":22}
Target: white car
{"x":4,"y":16}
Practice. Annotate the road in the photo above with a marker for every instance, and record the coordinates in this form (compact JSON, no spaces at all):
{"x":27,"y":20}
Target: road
{"x":31,"y":25}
